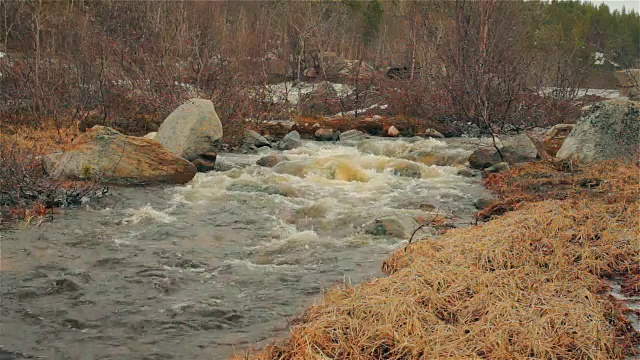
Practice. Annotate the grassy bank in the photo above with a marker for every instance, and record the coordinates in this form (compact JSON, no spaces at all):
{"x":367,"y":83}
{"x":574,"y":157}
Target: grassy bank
{"x":528,"y":284}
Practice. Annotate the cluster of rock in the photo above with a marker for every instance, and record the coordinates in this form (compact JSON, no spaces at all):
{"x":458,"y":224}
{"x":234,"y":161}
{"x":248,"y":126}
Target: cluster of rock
{"x":187,"y":140}
{"x":185,"y":144}
{"x":608,"y":130}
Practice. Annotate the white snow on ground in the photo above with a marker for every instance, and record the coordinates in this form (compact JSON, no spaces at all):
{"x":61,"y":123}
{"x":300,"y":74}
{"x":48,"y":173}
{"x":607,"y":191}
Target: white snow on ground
{"x":292,"y":91}
{"x":605,"y":93}
{"x":361,"y":111}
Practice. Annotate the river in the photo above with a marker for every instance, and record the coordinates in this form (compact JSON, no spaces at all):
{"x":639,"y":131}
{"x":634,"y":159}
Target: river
{"x":210,"y":268}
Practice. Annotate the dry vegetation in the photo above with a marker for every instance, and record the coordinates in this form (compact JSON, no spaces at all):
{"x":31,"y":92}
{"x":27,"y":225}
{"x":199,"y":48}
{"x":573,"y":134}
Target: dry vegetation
{"x":529,"y":284}
{"x":26,"y":192}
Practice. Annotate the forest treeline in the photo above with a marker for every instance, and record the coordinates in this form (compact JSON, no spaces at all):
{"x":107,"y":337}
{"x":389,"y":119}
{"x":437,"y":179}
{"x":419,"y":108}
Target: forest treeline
{"x":133,"y":62}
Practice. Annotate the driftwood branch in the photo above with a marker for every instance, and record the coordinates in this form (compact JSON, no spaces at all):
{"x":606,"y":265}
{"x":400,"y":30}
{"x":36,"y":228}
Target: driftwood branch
{"x":420,"y":227}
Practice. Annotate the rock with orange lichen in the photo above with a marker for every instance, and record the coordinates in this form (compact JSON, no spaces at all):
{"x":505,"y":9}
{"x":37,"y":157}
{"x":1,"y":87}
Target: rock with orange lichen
{"x":106,"y":155}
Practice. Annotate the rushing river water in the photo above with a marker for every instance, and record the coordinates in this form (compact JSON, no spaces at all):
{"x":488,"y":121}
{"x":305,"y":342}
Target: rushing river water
{"x":208,"y":269}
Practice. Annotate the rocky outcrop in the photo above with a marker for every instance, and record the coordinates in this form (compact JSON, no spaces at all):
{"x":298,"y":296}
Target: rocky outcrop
{"x":608,"y":130}
{"x":290,"y":141}
{"x":555,"y":137}
{"x":192,"y":130}
{"x":106,"y":155}
{"x":326,"y":135}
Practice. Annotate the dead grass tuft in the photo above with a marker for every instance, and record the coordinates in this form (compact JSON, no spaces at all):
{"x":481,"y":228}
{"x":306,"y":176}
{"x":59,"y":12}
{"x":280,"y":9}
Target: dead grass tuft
{"x":528,"y":284}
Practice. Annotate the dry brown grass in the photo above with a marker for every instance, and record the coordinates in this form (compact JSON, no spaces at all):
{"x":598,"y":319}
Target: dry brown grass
{"x":527,"y":285}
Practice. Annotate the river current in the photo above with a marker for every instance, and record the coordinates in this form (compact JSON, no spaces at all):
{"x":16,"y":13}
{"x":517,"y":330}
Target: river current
{"x":208,"y":269}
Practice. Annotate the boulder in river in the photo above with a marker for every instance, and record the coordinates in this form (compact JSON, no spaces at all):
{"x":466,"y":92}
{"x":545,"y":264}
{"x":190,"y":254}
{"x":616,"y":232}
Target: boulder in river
{"x":271,"y":160}
{"x":106,"y":155}
{"x":433,"y":133}
{"x":392,"y":131}
{"x":608,"y":130}
{"x":326,"y":135}
{"x":252,"y":138}
{"x":393,"y":226}
{"x":191,"y":130}
{"x":352,"y":135}
{"x":406,"y":169}
{"x":290,"y":141}
{"x":520,"y":149}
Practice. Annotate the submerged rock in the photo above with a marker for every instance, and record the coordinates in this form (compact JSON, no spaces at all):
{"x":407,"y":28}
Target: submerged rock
{"x":104,"y":154}
{"x":393,"y":226}
{"x":279,"y":189}
{"x":608,"y":130}
{"x":191,"y":130}
{"x":406,"y":169}
{"x":271,"y":160}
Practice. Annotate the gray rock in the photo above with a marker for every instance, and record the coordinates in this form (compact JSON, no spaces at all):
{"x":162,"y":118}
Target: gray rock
{"x":191,"y":130}
{"x":271,"y":160}
{"x":393,"y":226}
{"x":290,"y":141}
{"x":485,"y":157}
{"x":608,"y":130}
{"x":353,"y":135}
{"x":252,"y":138}
{"x":326,"y":135}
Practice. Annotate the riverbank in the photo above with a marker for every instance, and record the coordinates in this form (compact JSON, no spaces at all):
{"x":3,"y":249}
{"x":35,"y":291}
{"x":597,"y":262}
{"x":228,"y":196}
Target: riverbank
{"x":531,"y":283}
